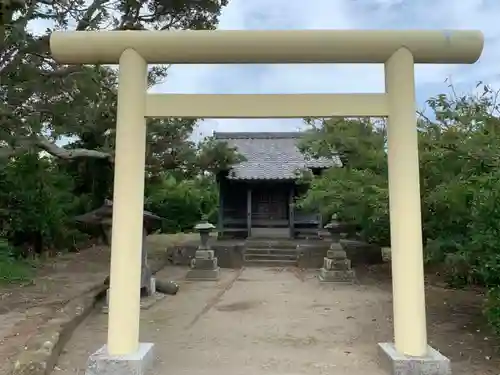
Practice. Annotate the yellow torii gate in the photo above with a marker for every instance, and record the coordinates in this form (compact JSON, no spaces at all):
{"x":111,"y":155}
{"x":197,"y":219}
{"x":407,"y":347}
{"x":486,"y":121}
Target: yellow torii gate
{"x":398,"y":50}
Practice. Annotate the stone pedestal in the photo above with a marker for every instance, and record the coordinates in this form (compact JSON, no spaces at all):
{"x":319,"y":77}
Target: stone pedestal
{"x":433,"y":363}
{"x":336,"y":266}
{"x":204,"y":266}
{"x":149,"y":287}
{"x":138,"y":363}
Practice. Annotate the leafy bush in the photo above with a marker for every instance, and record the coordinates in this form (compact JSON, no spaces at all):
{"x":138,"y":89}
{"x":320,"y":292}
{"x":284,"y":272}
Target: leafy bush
{"x":358,"y":192}
{"x":492,"y":308}
{"x":181,"y":203}
{"x":37,"y":204}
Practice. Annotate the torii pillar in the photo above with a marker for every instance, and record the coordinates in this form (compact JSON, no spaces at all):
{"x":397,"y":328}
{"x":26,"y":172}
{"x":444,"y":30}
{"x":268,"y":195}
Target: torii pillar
{"x":399,"y":50}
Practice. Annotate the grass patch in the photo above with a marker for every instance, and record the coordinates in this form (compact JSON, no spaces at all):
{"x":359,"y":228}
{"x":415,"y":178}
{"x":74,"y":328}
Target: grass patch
{"x":15,"y":271}
{"x":12,"y":270}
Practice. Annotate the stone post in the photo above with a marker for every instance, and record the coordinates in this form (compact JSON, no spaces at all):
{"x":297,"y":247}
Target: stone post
{"x":336,"y":265}
{"x":148,"y":282}
{"x":204,"y":265}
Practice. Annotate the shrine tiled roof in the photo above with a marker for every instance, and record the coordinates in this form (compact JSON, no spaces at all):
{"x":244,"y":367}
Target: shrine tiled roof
{"x":270,"y":156}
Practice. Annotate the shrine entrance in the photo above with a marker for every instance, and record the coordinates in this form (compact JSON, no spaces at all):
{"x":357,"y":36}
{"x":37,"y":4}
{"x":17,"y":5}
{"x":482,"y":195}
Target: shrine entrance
{"x":398,"y":50}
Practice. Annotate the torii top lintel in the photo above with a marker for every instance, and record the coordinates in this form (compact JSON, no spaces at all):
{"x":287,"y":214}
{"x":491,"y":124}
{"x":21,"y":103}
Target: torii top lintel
{"x":267,"y":46}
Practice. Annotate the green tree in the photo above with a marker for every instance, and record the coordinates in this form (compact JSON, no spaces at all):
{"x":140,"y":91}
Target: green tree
{"x":45,"y":105}
{"x":37,"y":204}
{"x":460,"y":184}
{"x":182,"y":202}
{"x":360,"y":144}
{"x":43,"y":101}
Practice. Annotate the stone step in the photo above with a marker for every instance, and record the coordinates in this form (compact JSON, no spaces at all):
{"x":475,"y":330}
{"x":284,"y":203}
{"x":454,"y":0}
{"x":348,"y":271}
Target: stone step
{"x":271,"y":258}
{"x":268,"y":244}
{"x":259,"y":251}
{"x":248,"y":257}
{"x":270,"y":263}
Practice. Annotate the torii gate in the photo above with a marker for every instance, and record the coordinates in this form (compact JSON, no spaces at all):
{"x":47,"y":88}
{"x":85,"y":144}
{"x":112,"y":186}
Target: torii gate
{"x":398,"y":50}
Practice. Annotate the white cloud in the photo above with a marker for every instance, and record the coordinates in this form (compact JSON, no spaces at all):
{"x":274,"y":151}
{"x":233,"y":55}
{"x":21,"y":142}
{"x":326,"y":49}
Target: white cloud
{"x":338,"y":14}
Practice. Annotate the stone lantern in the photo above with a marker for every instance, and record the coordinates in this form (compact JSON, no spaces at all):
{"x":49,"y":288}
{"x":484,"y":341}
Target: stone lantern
{"x":336,"y":265}
{"x":204,"y":228}
{"x":204,"y":265}
{"x":334,"y":227}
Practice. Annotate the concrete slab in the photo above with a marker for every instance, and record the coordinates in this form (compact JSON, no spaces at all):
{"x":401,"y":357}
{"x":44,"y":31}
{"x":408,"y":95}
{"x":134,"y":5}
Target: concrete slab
{"x":434,"y":363}
{"x":138,"y":363}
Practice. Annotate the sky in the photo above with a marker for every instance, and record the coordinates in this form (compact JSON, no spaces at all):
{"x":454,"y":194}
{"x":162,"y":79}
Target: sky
{"x":336,"y":78}
{"x":431,"y":80}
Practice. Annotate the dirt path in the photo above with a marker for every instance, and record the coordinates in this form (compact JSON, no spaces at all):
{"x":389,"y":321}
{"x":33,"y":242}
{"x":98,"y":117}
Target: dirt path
{"x":23,"y":309}
{"x":276,"y":321}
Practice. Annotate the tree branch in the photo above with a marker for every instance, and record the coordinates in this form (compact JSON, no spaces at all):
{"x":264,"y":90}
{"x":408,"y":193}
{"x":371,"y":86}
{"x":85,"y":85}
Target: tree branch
{"x":60,"y":73}
{"x":424,"y":117}
{"x":68,"y":154}
{"x":86,"y":20}
{"x":53,"y":149}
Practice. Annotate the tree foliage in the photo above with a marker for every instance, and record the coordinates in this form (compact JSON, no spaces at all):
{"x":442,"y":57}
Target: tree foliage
{"x":182,"y":202}
{"x":69,"y":113}
{"x":36,"y":203}
{"x":360,"y":144}
{"x":460,"y":184}
{"x":42,"y":101}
